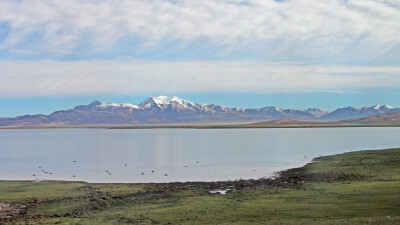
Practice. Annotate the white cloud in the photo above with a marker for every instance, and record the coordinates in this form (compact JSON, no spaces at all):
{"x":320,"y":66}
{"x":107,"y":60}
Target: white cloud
{"x":298,"y":27}
{"x":24,"y":51}
{"x":353,"y":31}
{"x":52,"y":78}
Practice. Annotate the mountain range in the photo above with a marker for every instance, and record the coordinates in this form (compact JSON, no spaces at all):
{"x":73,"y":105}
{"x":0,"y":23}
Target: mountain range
{"x":173,"y":110}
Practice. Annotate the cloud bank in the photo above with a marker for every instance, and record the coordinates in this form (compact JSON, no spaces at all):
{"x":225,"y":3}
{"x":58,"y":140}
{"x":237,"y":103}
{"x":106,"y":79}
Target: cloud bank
{"x":354,"y":31}
{"x":60,"y":78}
{"x":210,"y":46}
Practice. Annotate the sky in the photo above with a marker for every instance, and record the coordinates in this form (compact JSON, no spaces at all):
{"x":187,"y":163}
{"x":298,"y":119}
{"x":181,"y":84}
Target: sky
{"x":239,"y":53}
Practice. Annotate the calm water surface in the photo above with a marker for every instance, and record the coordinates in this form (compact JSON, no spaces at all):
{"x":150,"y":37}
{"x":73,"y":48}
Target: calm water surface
{"x":175,"y":154}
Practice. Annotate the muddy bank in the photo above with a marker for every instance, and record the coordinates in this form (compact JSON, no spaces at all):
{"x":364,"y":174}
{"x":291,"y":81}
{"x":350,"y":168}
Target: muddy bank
{"x":10,"y":211}
{"x":284,"y":179}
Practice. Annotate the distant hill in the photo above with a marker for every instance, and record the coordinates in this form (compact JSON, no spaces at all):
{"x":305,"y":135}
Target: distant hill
{"x":283,"y":122}
{"x":391,"y":118}
{"x":317,"y":112}
{"x":386,"y":119}
{"x":359,"y":112}
{"x":173,"y":110}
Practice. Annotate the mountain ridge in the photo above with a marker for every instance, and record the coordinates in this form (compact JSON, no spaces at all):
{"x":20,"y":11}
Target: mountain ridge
{"x":174,"y":110}
{"x":350,"y":112}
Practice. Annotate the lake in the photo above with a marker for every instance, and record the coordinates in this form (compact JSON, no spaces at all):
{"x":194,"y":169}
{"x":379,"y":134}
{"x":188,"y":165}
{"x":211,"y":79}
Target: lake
{"x":165,"y":155}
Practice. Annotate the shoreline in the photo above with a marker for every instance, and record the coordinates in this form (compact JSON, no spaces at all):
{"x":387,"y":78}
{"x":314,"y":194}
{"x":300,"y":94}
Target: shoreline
{"x":324,"y":191}
{"x":277,"y":180}
{"x":217,"y":126}
{"x":281,"y":178}
{"x":274,"y":175}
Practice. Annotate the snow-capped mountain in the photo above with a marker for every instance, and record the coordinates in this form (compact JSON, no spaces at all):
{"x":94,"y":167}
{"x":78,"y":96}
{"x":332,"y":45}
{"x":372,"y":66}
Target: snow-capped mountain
{"x":117,"y":105}
{"x":163,"y":101}
{"x":101,"y":106}
{"x":352,"y":112}
{"x":318,"y":112}
{"x":173,"y":110}
{"x":171,"y":104}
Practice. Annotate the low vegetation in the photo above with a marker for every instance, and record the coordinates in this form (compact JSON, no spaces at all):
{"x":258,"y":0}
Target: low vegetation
{"x":352,"y":188}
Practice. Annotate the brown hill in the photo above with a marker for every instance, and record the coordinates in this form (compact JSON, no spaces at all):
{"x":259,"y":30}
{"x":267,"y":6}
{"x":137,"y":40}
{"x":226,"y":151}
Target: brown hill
{"x":282,"y":122}
{"x":392,"y":118}
{"x":383,"y":119}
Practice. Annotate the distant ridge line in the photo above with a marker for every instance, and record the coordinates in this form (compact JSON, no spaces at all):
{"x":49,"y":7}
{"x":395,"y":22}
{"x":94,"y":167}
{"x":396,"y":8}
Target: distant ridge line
{"x":174,"y":110}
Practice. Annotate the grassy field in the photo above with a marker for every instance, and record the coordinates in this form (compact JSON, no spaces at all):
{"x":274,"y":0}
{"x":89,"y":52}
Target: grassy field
{"x":353,"y":188}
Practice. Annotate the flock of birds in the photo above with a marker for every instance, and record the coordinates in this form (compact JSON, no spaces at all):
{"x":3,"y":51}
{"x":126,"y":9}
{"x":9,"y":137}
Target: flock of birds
{"x":50,"y":173}
{"x":43,"y":171}
{"x":107,"y":171}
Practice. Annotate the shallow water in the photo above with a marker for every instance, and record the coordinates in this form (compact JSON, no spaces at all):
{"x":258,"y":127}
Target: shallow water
{"x":174,"y":154}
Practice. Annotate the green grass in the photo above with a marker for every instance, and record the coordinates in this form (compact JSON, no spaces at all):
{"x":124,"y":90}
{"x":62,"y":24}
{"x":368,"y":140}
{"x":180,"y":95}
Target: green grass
{"x":352,"y":188}
{"x":19,"y":191}
{"x":377,"y":165}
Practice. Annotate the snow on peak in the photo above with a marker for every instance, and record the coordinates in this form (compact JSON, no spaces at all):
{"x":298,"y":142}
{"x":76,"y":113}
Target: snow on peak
{"x":378,"y":107}
{"x":316,"y":109}
{"x":119,"y":105}
{"x":162,"y":101}
{"x":165,"y":100}
{"x":318,"y":112}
